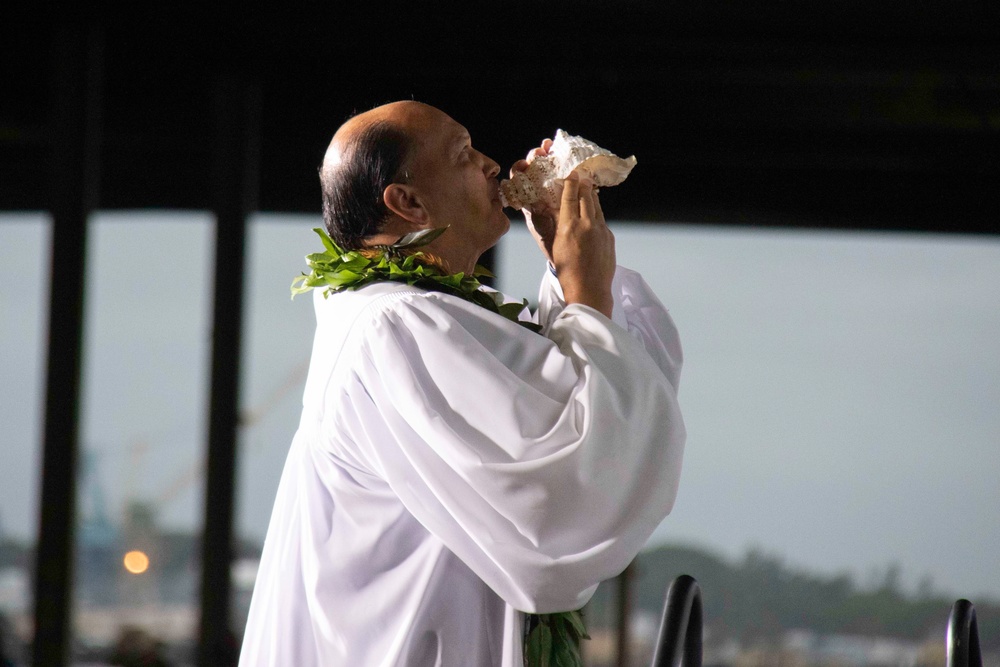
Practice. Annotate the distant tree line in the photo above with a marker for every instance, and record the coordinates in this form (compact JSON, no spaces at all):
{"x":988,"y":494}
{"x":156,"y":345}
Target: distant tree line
{"x":757,"y":599}
{"x":754,"y":600}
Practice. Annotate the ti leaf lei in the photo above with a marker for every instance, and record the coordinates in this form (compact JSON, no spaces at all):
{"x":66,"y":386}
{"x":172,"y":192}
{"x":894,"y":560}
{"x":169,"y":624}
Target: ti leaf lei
{"x":338,"y":270}
{"x":551,"y":640}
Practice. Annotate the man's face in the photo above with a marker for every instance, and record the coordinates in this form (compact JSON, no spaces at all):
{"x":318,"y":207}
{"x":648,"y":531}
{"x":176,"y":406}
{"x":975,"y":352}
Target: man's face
{"x":457,"y":183}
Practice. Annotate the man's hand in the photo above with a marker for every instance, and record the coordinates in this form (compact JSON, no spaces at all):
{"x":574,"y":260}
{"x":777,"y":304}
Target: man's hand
{"x":574,"y":238}
{"x":583,"y":248}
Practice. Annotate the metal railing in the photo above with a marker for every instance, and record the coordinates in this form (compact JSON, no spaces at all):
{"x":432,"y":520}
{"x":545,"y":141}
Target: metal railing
{"x":963,"y":636}
{"x":679,"y":641}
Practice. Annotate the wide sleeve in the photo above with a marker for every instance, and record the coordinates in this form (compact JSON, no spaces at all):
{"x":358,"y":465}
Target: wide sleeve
{"x":543,"y":462}
{"x":636,"y":309}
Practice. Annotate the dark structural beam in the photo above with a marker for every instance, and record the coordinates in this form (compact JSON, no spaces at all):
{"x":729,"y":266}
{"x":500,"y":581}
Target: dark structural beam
{"x":623,"y":614}
{"x":74,"y":148}
{"x":853,"y":115}
{"x":234,"y":181}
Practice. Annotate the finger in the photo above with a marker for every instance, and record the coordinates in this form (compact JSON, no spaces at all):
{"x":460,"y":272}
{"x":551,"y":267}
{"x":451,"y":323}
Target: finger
{"x":586,"y":189}
{"x":520,"y":165}
{"x":597,"y":207}
{"x":571,"y":192}
{"x":588,"y":208}
{"x":541,"y":151}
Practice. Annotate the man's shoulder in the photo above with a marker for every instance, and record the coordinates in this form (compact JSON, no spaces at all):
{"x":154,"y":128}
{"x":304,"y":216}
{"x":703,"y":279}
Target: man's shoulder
{"x":413,"y":308}
{"x":375,"y":302}
{"x":346,"y":322}
{"x":340,"y":309}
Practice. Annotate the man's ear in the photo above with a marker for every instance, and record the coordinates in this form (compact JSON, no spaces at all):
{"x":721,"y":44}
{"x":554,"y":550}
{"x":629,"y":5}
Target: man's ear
{"x":403,"y":200}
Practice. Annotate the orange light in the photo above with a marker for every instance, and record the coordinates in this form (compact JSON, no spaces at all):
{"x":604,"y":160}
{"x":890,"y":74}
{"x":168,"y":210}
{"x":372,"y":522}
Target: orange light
{"x":136,"y":562}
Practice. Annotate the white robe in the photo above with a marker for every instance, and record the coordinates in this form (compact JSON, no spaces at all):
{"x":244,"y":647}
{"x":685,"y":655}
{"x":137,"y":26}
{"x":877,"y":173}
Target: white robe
{"x":453,"y":469}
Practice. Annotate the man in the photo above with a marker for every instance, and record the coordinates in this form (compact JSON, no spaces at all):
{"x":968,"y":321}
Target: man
{"x":453,"y":469}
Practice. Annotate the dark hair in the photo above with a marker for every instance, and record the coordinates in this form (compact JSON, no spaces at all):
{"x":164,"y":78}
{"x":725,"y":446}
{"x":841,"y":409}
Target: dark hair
{"x":352,"y":190}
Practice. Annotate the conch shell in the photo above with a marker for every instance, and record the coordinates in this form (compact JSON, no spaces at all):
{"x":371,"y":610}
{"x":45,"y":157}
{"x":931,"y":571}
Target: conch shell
{"x":542,"y":181}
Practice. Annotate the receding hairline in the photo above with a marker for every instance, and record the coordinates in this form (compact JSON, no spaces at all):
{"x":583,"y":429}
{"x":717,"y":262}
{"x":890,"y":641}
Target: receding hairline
{"x":393,"y":115}
{"x":342,"y":148}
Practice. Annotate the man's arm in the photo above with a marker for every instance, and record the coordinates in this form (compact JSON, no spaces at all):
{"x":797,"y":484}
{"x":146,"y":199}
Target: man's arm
{"x":583,"y":248}
{"x":543,"y":464}
{"x":580,"y":250}
{"x":636,"y":308}
{"x":575,"y":239}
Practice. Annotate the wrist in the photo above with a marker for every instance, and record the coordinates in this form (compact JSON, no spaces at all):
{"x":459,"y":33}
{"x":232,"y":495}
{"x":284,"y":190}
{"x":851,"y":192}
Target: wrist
{"x":598,"y":299}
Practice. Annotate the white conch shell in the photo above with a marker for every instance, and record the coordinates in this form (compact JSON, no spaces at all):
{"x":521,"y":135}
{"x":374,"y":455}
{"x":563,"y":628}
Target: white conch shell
{"x":542,"y":180}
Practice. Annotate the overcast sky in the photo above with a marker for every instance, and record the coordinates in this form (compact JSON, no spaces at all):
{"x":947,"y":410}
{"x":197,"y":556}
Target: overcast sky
{"x":841,"y":390}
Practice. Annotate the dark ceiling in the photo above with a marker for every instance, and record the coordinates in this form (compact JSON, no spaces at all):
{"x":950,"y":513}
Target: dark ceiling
{"x":829,"y":113}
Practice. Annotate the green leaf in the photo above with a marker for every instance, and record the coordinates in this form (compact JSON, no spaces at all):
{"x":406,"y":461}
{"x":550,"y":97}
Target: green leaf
{"x":340,"y":278}
{"x":327,"y":241}
{"x":565,"y":655}
{"x":575,"y":618}
{"x":454,"y":280}
{"x":418,"y":239}
{"x":318,"y":258}
{"x":299,"y":289}
{"x":315,"y":280}
{"x":510,"y":310}
{"x":565,"y":652}
{"x":354,"y":262}
{"x":539,"y":646}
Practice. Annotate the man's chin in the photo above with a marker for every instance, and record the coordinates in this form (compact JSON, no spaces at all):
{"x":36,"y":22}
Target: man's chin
{"x":504,"y":223}
{"x":501,"y":226}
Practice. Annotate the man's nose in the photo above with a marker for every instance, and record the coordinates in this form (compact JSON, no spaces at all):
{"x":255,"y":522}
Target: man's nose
{"x":490,"y":168}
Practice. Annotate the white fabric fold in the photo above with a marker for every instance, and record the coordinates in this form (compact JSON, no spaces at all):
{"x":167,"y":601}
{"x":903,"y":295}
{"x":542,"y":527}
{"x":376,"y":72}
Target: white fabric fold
{"x":452,"y":469}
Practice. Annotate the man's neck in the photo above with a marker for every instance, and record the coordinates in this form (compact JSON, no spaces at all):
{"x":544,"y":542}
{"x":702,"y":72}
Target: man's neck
{"x":452,"y":260}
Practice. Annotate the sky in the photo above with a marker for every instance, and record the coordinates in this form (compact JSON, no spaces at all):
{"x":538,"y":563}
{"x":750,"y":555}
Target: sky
{"x":841,"y":390}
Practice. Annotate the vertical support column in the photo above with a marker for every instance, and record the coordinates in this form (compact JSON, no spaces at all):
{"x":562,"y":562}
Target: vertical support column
{"x":235,"y":163}
{"x":623,"y":613}
{"x":75,"y":143}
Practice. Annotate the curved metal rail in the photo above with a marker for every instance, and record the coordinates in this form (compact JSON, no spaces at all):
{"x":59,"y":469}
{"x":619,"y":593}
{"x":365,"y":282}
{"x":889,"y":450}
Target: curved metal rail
{"x":963,"y":636}
{"x":679,"y":641}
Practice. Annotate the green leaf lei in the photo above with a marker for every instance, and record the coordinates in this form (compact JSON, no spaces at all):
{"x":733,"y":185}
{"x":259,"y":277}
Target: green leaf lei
{"x":551,"y":640}
{"x":338,"y":270}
